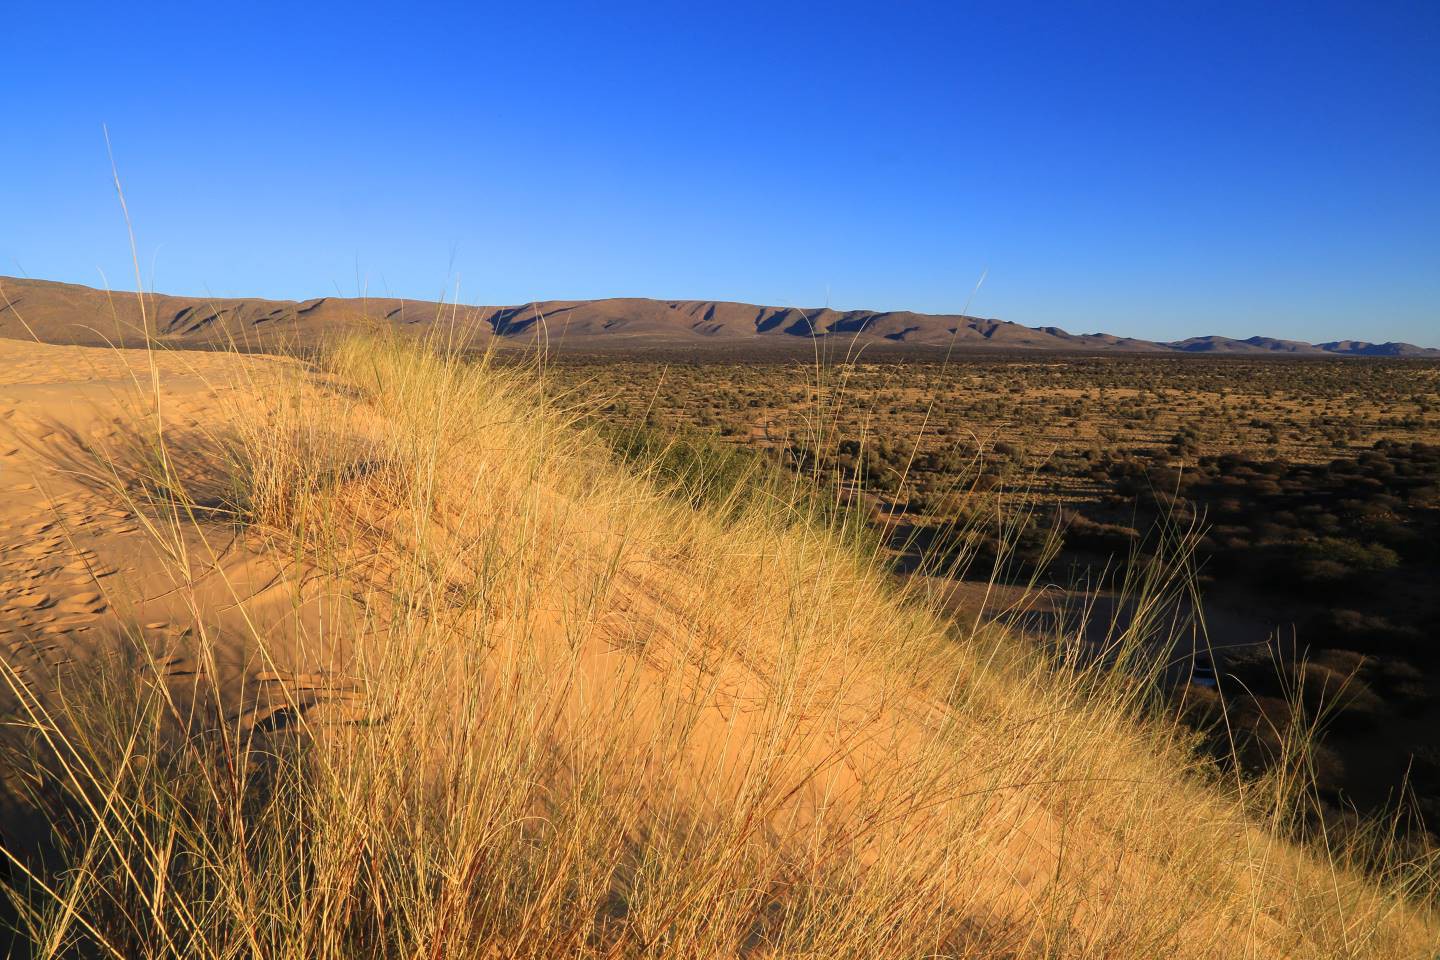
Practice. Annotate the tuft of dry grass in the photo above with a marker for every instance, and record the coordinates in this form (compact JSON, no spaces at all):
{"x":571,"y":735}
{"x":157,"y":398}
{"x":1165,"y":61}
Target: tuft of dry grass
{"x":600,"y":721}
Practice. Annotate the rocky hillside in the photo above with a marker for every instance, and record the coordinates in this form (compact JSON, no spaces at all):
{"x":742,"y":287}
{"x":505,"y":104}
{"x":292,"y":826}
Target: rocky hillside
{"x":74,"y":314}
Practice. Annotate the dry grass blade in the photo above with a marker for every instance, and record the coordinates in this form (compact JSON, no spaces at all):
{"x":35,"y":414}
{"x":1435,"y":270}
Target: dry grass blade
{"x":597,"y":720}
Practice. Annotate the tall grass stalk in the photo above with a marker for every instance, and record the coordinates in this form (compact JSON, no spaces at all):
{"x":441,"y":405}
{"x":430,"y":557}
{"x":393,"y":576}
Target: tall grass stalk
{"x":603,"y":720}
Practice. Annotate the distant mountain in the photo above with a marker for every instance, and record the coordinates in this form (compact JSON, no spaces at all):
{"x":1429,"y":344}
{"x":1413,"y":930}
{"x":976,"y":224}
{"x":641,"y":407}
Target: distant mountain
{"x":1248,"y":345}
{"x":1360,"y":348}
{"x":1339,"y":348}
{"x":70,"y":313}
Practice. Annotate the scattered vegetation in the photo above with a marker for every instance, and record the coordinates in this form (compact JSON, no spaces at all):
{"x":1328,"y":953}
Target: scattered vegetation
{"x":1315,"y":482}
{"x":637,"y":706}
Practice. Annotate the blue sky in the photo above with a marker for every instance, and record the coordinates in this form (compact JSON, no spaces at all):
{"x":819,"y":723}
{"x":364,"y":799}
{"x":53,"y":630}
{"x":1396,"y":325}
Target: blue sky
{"x":1154,"y":169}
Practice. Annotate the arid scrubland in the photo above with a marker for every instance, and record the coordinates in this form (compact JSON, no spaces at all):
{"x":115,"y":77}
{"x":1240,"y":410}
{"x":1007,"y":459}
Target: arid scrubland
{"x":442,"y":676}
{"x":1313,"y":486}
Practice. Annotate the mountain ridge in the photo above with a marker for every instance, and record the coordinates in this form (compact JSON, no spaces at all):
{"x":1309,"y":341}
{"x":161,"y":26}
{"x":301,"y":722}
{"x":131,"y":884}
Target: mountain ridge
{"x":59,"y":312}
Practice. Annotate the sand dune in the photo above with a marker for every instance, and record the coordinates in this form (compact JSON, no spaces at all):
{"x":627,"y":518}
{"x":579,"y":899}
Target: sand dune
{"x":626,"y":718}
{"x":80,"y":569}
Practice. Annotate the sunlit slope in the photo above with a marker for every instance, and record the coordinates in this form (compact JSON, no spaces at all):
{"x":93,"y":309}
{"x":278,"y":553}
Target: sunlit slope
{"x":600,"y":721}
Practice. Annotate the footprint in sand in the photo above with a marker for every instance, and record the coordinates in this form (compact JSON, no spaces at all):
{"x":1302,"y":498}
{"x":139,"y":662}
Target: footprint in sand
{"x":323,"y":688}
{"x":34,"y":601}
{"x":83,"y":572}
{"x":87,"y":602}
{"x":67,"y":625}
{"x":175,"y":668}
{"x":299,"y":681}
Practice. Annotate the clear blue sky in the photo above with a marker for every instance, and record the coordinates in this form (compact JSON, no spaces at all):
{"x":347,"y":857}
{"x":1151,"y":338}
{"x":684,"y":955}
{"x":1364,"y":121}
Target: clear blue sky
{"x":1152,"y":169}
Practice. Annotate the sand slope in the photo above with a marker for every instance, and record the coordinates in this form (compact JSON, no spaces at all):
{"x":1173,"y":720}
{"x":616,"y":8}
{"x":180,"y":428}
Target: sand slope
{"x":748,"y":698}
{"x":80,"y":568}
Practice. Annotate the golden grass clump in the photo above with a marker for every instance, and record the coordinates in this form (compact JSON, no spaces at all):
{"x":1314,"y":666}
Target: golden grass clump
{"x":601,"y":722}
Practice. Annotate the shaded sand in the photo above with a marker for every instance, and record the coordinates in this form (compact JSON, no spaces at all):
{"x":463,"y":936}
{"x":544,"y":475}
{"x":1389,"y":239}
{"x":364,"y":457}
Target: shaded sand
{"x":1050,"y":614}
